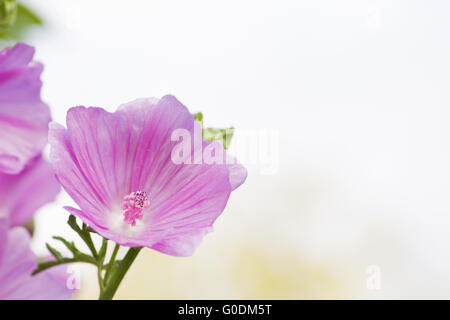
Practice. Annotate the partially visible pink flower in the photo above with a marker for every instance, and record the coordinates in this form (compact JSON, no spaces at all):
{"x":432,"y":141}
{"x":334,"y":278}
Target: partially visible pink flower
{"x":21,"y":195}
{"x":118,"y":169}
{"x":17,"y":262}
{"x":24,"y":117}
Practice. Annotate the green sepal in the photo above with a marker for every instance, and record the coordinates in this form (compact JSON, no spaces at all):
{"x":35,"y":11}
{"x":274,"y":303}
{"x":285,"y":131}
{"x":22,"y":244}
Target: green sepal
{"x":17,"y":25}
{"x":213,"y":134}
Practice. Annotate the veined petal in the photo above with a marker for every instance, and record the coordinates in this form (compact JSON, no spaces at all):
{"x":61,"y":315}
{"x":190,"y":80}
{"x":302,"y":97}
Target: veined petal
{"x":103,"y":157}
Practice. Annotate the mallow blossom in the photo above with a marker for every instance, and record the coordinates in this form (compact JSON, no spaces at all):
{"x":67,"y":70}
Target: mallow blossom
{"x":119,"y":168}
{"x":24,"y":117}
{"x":17,"y":262}
{"x":21,"y":195}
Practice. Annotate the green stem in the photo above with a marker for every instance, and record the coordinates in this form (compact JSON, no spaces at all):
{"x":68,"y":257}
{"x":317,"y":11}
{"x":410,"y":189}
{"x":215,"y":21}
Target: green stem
{"x":88,"y":240}
{"x":117,"y":275}
{"x":101,"y":258}
{"x":111,"y":262}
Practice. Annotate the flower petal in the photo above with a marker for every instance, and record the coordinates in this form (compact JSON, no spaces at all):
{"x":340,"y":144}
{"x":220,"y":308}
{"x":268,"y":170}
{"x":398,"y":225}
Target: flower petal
{"x":47,"y":285}
{"x":71,"y":176}
{"x":23,"y":194}
{"x":4,"y":224}
{"x":103,"y":157}
{"x":16,"y":266}
{"x":182,"y":244}
{"x":238,"y":173}
{"x":23,"y":116}
{"x":18,"y":56}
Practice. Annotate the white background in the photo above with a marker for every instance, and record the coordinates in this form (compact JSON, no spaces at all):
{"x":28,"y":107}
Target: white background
{"x":357,"y":90}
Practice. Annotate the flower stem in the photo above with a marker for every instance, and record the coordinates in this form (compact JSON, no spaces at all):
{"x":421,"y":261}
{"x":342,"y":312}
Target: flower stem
{"x":117,"y":274}
{"x":111,"y":262}
{"x":101,"y":259}
{"x":88,"y":240}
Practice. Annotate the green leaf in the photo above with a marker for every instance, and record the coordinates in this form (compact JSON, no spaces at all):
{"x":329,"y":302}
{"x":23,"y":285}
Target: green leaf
{"x":72,"y":222}
{"x":17,"y":28}
{"x":224,"y":135}
{"x":54,"y":252}
{"x":48,"y":264}
{"x":84,"y":233}
{"x":78,"y":256}
{"x":70,"y":245}
{"x":8,"y":13}
{"x":213,"y":134}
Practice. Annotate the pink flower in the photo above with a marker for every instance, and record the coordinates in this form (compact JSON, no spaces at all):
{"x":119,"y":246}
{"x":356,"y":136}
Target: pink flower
{"x":118,"y":168}
{"x":24,"y":117}
{"x":21,"y":195}
{"x":17,"y":262}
